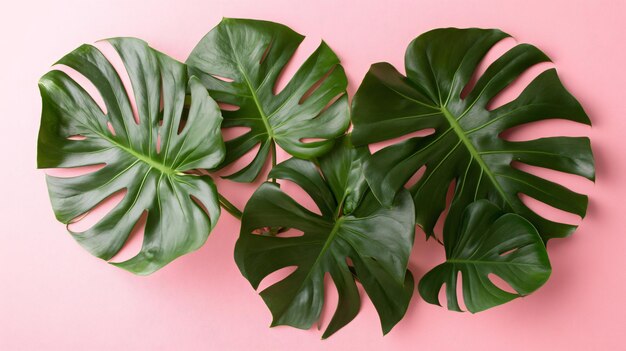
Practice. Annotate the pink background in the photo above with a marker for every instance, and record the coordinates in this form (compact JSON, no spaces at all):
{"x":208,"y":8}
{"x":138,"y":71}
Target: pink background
{"x":55,"y":296}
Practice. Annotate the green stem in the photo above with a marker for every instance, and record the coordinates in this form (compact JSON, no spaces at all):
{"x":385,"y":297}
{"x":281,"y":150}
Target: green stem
{"x":229,"y":207}
{"x":273,"y":155}
{"x":340,"y":206}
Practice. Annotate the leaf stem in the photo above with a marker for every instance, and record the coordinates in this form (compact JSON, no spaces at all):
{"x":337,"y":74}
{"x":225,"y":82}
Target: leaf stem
{"x":273,"y":155}
{"x":229,"y":207}
{"x":340,"y":206}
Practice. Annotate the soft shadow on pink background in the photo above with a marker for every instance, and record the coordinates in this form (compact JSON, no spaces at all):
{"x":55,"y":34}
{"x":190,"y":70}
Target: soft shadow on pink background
{"x":55,"y":296}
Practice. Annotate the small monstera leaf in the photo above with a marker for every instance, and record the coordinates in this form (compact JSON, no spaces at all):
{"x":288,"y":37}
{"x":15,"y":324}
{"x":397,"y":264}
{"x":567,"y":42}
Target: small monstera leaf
{"x":488,"y":241}
{"x":252,"y":54}
{"x":466,"y":146}
{"x":154,"y":179}
{"x":352,"y":226}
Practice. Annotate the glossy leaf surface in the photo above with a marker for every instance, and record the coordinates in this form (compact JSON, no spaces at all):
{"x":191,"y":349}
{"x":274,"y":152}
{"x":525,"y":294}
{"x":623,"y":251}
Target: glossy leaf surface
{"x":240,"y":62}
{"x":153,"y":175}
{"x":466,"y":146}
{"x":352,"y":230}
{"x":488,"y":241}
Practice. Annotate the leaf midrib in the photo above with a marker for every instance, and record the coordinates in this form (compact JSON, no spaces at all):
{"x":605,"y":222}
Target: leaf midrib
{"x":253,"y":93}
{"x":338,"y":219}
{"x":146,"y":159}
{"x":323,"y":250}
{"x":461,"y":134}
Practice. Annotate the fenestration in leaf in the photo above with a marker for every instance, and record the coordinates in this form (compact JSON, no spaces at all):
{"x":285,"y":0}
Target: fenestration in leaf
{"x":252,"y":54}
{"x":377,"y":241}
{"x":466,"y":146}
{"x":488,"y":241}
{"x":155,"y":181}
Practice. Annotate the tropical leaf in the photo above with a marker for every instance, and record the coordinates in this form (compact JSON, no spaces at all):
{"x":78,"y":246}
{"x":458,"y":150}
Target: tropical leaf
{"x":466,"y":146}
{"x":303,"y":119}
{"x":488,"y":241}
{"x":376,"y":240}
{"x":154,"y":179}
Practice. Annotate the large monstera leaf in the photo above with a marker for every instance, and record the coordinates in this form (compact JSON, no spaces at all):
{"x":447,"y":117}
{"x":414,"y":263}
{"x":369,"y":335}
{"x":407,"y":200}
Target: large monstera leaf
{"x":352,"y":226}
{"x":466,"y":146}
{"x":488,"y":241}
{"x":154,"y":178}
{"x":303,"y":119}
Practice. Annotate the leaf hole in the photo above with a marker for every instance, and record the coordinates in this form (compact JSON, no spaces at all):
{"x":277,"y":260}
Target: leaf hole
{"x":315,"y":86}
{"x":223,"y":79}
{"x":115,"y":59}
{"x":515,"y":88}
{"x":231,"y":133}
{"x":508,"y":252}
{"x":183,"y":121}
{"x":86,"y":220}
{"x":501,"y":283}
{"x":76,"y":137}
{"x":302,"y":52}
{"x":181,"y":126}
{"x":202,"y":207}
{"x":438,"y":229}
{"x":495,"y":52}
{"x":110,"y":128}
{"x":161,"y":101}
{"x":265,"y":231}
{"x":459,"y":291}
{"x":330,"y":103}
{"x":158,"y":143}
{"x":227,"y":107}
{"x":415,"y":177}
{"x":330,"y":302}
{"x":84,"y":83}
{"x":276,"y":276}
{"x":241,"y":162}
{"x":134,"y":242}
{"x":442,"y":296}
{"x":545,"y":128}
{"x":290,"y":233}
{"x":548,"y":212}
{"x":266,"y":52}
{"x":74,"y":171}
{"x":573,"y":182}
{"x":296,"y":192}
{"x":278,"y":231}
{"x":312,"y":140}
{"x":375,"y":147}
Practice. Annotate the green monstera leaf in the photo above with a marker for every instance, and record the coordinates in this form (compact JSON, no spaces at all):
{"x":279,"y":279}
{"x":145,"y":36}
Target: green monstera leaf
{"x":303,"y":119}
{"x":154,"y":176}
{"x":488,"y":241}
{"x":466,"y":146}
{"x":352,"y":226}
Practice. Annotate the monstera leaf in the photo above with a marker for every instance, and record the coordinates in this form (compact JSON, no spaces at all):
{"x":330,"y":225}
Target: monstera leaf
{"x":488,"y":241}
{"x":353,"y":233}
{"x":153,"y":175}
{"x":466,"y":146}
{"x":252,"y":54}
